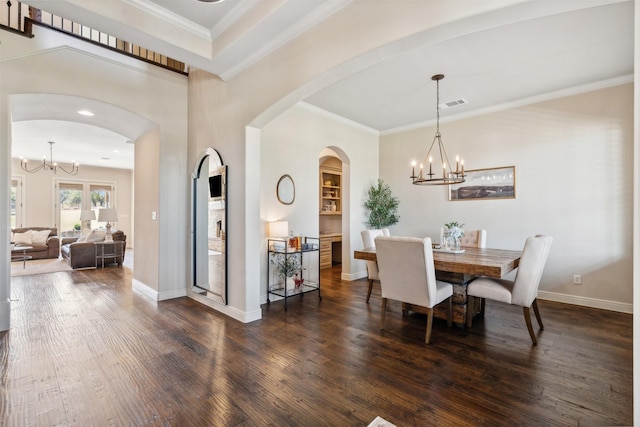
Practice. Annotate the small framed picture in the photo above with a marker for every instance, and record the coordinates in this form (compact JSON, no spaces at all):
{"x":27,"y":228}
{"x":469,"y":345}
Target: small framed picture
{"x":486,"y":184}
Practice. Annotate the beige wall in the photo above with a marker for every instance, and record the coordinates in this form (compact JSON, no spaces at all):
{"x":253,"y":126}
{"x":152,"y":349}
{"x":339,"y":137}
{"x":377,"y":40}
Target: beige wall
{"x":574,"y":168}
{"x":147,"y":201}
{"x":40,"y":197}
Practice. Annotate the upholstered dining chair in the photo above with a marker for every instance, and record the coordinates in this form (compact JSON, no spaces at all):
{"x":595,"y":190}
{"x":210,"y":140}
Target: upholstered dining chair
{"x":407,"y":274}
{"x":523,"y":290}
{"x":369,"y":242}
{"x":474,"y":239}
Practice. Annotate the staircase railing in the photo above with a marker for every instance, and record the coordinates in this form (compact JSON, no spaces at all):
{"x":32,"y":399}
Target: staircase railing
{"x":19,"y":18}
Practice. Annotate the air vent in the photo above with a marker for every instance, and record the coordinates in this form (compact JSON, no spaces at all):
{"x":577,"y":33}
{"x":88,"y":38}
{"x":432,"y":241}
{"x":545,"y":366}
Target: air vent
{"x":455,"y":103}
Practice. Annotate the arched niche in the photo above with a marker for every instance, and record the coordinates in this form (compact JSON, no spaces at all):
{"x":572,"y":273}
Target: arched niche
{"x":210,"y":226}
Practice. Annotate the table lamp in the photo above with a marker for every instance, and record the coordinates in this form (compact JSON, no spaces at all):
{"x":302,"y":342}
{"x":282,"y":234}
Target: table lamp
{"x":108,"y":215}
{"x":87,"y":216}
{"x":279,"y":229}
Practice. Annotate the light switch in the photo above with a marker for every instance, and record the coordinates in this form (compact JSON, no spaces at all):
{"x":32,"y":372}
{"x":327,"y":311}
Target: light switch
{"x":154,"y":215}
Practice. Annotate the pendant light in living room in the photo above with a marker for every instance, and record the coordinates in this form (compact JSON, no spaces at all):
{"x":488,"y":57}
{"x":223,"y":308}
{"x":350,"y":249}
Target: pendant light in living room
{"x":50,"y":165}
{"x":444,"y":174}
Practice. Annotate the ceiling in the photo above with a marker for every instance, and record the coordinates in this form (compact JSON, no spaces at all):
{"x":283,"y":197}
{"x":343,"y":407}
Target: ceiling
{"x":527,"y":51}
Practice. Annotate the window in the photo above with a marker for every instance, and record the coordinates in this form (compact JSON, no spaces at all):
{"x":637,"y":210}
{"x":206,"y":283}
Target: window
{"x":16,"y":207}
{"x":76,"y":196}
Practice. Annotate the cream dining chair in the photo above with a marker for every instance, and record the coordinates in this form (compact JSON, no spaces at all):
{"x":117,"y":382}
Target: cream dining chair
{"x":474,"y":239}
{"x":522,"y":291}
{"x":407,"y":274}
{"x":369,"y":242}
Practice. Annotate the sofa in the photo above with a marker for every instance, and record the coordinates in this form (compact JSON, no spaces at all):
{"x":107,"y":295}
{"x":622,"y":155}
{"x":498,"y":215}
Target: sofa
{"x":81,"y":252}
{"x":44,"y":241}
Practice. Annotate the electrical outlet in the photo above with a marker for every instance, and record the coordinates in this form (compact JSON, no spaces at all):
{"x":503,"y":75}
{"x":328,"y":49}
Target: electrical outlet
{"x":577,"y":280}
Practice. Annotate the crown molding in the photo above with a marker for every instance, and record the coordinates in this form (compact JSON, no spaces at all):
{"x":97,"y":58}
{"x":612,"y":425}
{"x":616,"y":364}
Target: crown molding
{"x":168,"y":16}
{"x":327,"y":9}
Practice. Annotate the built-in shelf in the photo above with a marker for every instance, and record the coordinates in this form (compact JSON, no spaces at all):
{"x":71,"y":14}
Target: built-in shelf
{"x":330,"y":191}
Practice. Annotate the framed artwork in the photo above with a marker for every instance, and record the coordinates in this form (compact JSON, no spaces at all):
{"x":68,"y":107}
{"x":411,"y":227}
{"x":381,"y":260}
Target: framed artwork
{"x":486,"y":184}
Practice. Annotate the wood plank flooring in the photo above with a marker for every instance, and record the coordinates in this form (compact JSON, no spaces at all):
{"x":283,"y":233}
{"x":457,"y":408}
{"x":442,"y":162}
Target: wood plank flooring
{"x":86,"y":350}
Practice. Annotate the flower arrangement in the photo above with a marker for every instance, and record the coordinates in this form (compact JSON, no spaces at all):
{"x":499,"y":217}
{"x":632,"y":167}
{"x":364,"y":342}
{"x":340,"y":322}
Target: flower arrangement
{"x":455,"y":230}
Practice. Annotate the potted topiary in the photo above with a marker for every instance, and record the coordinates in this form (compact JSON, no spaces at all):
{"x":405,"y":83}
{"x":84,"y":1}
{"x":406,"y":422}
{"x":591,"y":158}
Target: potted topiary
{"x":288,"y":266}
{"x":381,"y":206}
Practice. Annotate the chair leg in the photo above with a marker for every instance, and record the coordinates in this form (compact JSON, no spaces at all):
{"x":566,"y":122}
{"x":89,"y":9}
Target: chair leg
{"x":384,"y":313}
{"x":450,"y":313}
{"x":370,"y":288}
{"x":537,"y":313}
{"x":483,"y":303}
{"x":527,"y":319}
{"x":427,"y":337}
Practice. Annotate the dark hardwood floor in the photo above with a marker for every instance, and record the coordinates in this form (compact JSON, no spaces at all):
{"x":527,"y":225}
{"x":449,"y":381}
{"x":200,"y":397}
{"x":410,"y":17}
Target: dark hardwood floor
{"x":85,"y":350}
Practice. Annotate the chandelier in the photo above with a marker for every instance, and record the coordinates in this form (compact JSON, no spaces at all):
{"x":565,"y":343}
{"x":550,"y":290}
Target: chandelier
{"x":50,"y":165}
{"x":449,"y":176}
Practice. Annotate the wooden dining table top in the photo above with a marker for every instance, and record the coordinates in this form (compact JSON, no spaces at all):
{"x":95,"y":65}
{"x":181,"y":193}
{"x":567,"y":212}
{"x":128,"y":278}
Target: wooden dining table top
{"x":488,"y":262}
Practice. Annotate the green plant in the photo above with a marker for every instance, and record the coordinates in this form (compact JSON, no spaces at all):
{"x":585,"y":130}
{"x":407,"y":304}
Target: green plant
{"x":287,"y":265}
{"x":77,"y":226}
{"x":381,"y":206}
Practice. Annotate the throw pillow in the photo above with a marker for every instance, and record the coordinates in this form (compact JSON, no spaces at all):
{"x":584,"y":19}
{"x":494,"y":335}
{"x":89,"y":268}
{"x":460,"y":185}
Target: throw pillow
{"x":39,"y":237}
{"x":22,"y":238}
{"x":82,"y":238}
{"x":96,"y":236}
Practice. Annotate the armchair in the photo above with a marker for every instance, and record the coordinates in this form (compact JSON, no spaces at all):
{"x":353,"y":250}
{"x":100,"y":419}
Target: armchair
{"x":407,"y":274}
{"x":369,"y":242}
{"x":522,"y":291}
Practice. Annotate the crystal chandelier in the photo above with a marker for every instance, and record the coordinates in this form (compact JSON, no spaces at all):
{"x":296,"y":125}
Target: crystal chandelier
{"x":449,"y":175}
{"x":50,"y":165}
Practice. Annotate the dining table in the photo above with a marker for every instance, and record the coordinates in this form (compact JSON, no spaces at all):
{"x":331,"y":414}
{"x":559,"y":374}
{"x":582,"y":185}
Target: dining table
{"x":459,"y":268}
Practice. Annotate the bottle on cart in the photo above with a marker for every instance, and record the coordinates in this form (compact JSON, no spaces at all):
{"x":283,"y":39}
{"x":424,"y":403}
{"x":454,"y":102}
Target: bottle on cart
{"x":292,"y":240}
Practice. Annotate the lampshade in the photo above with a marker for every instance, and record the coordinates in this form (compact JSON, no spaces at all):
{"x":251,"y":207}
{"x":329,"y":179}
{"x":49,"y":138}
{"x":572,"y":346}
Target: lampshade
{"x":87,"y":215}
{"x":279,"y":229}
{"x":108,"y":215}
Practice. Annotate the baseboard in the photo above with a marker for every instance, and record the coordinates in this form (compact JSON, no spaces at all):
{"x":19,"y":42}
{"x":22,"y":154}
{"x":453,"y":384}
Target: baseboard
{"x":586,"y":302}
{"x":176,"y":293}
{"x":349,"y":277}
{"x":234,"y":313}
{"x":155,"y":295}
{"x":144,"y":289}
{"x":5,"y":315}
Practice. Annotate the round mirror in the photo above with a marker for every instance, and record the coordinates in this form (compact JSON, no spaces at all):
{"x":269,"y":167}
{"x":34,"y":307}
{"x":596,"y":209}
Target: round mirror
{"x":286,"y":190}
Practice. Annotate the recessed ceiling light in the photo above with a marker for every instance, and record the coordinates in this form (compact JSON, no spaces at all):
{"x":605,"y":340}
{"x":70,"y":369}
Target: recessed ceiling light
{"x":211,"y":1}
{"x":86,"y":113}
{"x":116,"y":151}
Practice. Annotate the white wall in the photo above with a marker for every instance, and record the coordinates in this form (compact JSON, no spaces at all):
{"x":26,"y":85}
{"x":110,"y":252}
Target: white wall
{"x":574,"y":169}
{"x":291,"y":144}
